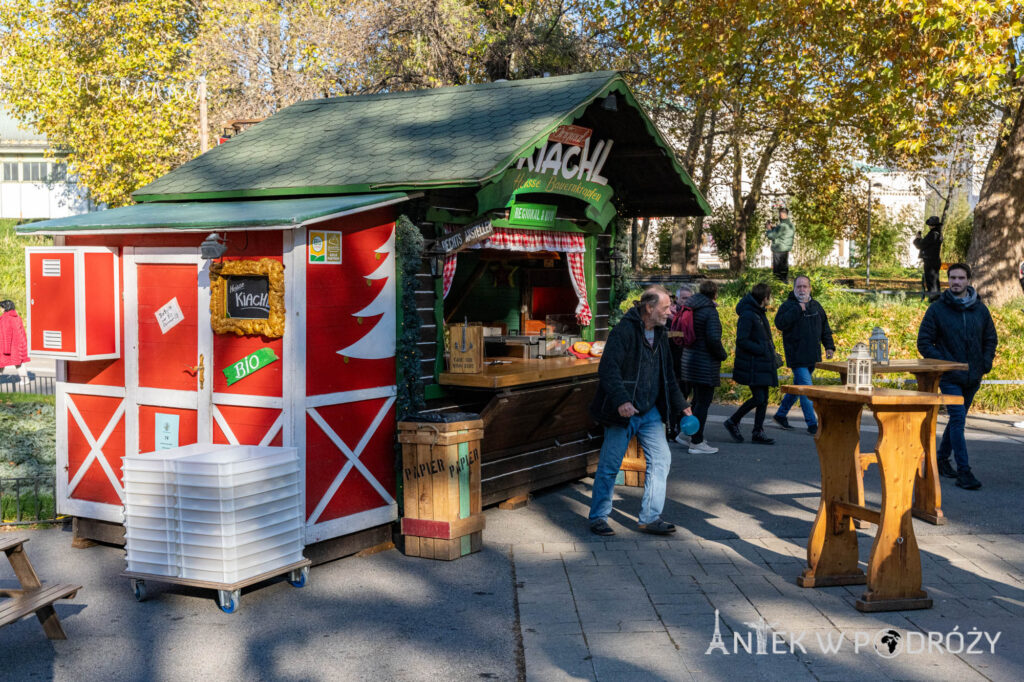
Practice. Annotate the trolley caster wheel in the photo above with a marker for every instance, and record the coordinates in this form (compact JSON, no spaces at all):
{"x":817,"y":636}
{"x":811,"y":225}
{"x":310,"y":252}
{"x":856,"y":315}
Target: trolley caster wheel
{"x":139,"y":589}
{"x":298,"y":577}
{"x":228,"y":600}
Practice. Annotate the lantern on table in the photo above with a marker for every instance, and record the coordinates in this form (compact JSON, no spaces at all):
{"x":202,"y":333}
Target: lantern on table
{"x":858,"y":368}
{"x":878,"y":345}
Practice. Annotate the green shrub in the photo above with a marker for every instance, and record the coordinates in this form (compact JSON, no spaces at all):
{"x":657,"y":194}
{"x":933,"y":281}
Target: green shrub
{"x":27,"y":506}
{"x":12,"y":262}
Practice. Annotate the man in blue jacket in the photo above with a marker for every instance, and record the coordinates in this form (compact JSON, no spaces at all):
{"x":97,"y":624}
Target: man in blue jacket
{"x":958,"y":327}
{"x":637,"y":392}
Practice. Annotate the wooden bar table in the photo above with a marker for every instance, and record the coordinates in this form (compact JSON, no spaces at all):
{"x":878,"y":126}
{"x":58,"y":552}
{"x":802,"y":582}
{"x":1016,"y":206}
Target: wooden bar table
{"x":927,"y":491}
{"x":894,"y":569}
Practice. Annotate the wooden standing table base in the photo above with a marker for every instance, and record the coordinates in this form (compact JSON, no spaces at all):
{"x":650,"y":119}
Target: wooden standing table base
{"x":927,"y":491}
{"x":893,"y":577}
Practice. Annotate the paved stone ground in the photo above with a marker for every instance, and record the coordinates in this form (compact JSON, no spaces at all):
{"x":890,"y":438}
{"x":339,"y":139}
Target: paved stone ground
{"x":547,"y":599}
{"x":637,"y":607}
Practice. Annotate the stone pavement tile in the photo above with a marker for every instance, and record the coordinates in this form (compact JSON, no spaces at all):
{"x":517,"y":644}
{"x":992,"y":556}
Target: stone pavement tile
{"x":579,"y":559}
{"x":621,"y":545}
{"x":612,"y":558}
{"x":983,"y":589}
{"x":697,"y":617}
{"x":534,"y":558}
{"x":656,"y":545}
{"x":1012,"y":605}
{"x":846,"y":664}
{"x":531,"y":614}
{"x":647,"y":653}
{"x":924,"y":666}
{"x":590,"y":546}
{"x":558,"y":547}
{"x":608,"y":624}
{"x":557,"y":657}
{"x":646,"y":557}
{"x":529,"y":548}
{"x":675,"y":584}
{"x":554,"y":596}
{"x":618,"y":610}
{"x":552,"y":629}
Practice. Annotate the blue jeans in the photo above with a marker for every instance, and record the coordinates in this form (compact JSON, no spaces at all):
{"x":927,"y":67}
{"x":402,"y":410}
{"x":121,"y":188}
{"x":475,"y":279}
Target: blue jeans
{"x":953,"y":435}
{"x":650,"y":432}
{"x":801,"y":377}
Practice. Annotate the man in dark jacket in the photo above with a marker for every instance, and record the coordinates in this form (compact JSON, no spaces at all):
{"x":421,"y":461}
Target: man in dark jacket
{"x":636,"y":394}
{"x":804,"y":327}
{"x":701,"y":363}
{"x":958,"y":327}
{"x":930,"y":251}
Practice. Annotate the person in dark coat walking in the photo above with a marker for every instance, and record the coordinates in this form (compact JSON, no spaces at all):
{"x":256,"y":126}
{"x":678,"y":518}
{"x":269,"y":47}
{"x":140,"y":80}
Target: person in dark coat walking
{"x":755,"y":362}
{"x":701,"y":363}
{"x":958,"y":327}
{"x":636,"y":393}
{"x":805,"y":329}
{"x":930,"y":251}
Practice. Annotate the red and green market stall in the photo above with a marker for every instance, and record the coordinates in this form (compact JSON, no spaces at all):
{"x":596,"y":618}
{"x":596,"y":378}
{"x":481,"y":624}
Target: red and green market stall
{"x":294,"y":287}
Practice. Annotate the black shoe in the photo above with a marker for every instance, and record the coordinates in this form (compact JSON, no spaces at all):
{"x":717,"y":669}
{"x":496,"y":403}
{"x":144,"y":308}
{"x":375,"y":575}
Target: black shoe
{"x":733,"y":430}
{"x":812,"y":429}
{"x":966,"y":480}
{"x":946,"y":469}
{"x":601,"y":528}
{"x":658,"y":527}
{"x":782,"y":422}
{"x":762,"y":438}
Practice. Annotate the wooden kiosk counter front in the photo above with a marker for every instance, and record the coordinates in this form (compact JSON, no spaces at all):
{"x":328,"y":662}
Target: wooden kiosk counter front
{"x":537,"y":430}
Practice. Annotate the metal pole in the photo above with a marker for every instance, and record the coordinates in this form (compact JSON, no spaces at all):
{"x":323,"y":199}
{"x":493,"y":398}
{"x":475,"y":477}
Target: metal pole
{"x":868,"y":278}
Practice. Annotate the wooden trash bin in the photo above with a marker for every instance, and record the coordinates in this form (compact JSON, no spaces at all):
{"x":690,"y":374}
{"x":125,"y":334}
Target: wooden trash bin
{"x":443,"y":517}
{"x":633,"y":472}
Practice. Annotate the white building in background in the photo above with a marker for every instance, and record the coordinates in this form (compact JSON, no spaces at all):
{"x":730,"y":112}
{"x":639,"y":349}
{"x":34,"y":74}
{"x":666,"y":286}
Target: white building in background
{"x":32,"y":186}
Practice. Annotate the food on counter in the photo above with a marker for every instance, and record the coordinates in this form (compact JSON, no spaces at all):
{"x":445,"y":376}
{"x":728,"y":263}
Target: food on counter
{"x":596,"y":349}
{"x":581,"y":347}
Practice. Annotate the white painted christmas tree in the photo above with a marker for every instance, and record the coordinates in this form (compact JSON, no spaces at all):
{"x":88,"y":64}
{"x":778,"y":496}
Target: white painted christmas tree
{"x":379,"y":342}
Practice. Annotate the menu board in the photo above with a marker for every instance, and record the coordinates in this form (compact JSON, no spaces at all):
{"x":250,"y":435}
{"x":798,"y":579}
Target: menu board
{"x":248,"y":297}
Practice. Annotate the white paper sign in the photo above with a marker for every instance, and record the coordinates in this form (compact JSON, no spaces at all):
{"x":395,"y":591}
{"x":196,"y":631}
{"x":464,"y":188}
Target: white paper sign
{"x":169,"y":315}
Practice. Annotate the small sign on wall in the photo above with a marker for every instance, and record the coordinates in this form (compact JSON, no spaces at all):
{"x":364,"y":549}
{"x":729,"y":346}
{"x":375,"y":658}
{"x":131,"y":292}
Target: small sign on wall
{"x":166,"y":430}
{"x":249,"y":364}
{"x":324,"y":247}
{"x":248,"y":297}
{"x":169,"y":315}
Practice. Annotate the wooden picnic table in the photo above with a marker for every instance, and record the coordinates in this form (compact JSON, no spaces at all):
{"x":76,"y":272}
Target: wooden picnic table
{"x":33,"y":596}
{"x":894,"y":569}
{"x":927,"y":491}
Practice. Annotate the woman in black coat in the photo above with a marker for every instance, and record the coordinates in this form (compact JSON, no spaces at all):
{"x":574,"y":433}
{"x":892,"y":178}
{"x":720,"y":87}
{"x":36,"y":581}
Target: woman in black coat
{"x":755,"y":362}
{"x":701,"y":362}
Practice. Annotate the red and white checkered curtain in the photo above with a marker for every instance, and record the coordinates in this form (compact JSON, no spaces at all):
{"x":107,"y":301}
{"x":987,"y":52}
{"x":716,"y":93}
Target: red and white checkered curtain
{"x":507,"y":239}
{"x":449,"y":274}
{"x":533,"y":240}
{"x":579,"y":284}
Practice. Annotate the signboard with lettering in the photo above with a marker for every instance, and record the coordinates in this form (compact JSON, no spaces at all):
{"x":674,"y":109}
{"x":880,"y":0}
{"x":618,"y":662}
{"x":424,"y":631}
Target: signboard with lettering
{"x":165,"y":431}
{"x":466,"y":237}
{"x":571,"y":135}
{"x":534,"y":215}
{"x":248,"y":297}
{"x":249,"y":364}
{"x":324,"y":247}
{"x":570,"y":162}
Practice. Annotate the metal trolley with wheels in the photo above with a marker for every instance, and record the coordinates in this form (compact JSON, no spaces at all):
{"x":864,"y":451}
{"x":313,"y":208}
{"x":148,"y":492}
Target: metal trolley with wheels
{"x":228,"y":594}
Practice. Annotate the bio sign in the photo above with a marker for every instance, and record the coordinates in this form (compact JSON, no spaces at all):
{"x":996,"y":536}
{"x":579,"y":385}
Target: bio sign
{"x":249,"y":364}
{"x":534,"y":215}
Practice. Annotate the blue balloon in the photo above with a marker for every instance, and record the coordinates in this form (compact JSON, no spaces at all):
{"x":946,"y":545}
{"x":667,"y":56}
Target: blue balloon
{"x":689,"y":425}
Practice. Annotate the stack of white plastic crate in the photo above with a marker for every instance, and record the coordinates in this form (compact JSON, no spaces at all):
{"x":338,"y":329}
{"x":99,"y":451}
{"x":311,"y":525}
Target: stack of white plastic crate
{"x":217,"y":514}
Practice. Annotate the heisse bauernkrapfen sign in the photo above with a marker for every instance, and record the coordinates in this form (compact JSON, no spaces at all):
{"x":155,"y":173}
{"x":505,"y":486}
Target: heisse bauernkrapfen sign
{"x":471,"y":234}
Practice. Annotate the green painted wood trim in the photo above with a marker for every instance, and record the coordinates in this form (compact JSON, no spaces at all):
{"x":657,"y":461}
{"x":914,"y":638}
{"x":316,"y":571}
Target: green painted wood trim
{"x":463,"y":465}
{"x":560,"y":226}
{"x":590,"y":275}
{"x":616,"y":84}
{"x":434,"y":391}
{"x":289,"y":191}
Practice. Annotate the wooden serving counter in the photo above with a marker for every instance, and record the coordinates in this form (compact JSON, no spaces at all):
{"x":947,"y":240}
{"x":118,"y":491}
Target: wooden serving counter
{"x":537,"y":429}
{"x":510,"y":372}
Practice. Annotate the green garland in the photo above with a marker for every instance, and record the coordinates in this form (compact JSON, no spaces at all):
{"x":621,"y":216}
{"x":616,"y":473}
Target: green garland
{"x":410,"y":244}
{"x":622,"y":285}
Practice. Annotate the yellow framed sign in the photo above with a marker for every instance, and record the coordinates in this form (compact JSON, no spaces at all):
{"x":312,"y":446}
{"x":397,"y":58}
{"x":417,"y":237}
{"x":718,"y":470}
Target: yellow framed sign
{"x":247,"y":297}
{"x":324,"y":247}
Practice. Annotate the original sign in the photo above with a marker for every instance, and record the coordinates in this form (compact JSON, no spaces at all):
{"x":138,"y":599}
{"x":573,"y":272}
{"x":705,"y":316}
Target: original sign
{"x":471,"y":234}
{"x":249,"y":364}
{"x":248,"y":297}
{"x":169,"y":315}
{"x":535,"y":215}
{"x":571,"y":135}
{"x":324,"y":247}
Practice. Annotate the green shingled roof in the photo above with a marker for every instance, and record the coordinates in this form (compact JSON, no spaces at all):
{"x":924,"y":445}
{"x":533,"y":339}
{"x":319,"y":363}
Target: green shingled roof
{"x":445,"y":137}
